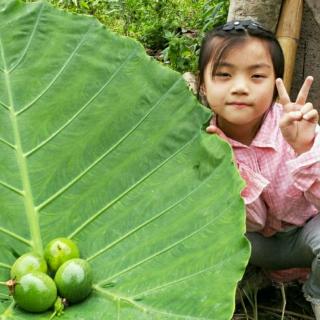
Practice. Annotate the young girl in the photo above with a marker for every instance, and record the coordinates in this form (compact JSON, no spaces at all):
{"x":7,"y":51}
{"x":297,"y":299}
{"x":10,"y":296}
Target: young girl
{"x":276,"y":146}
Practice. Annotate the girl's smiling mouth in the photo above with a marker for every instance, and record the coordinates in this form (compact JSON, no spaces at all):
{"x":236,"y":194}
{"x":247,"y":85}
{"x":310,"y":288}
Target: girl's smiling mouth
{"x":239,"y":104}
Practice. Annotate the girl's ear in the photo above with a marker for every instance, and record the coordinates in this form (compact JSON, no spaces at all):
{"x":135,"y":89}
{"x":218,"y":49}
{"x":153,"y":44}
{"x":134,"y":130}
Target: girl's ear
{"x":202,"y":95}
{"x":203,"y":90}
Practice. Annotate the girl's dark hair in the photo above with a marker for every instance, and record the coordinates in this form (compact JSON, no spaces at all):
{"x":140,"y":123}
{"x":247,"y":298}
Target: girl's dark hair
{"x":230,"y":35}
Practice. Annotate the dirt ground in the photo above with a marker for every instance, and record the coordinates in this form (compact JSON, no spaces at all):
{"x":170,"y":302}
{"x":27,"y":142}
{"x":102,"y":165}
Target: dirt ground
{"x":258,"y":298}
{"x":270,"y":305}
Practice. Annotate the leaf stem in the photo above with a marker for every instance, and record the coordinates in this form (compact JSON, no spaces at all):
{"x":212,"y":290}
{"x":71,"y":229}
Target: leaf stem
{"x":32,"y":213}
{"x":54,"y":313}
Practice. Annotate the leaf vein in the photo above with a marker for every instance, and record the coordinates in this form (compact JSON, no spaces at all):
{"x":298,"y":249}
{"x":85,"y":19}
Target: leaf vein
{"x":94,"y":216}
{"x":4,"y":106}
{"x":144,"y":308}
{"x":29,"y":41}
{"x":7,"y":143}
{"x":15,"y":236}
{"x":157,"y":216}
{"x":4,"y":265}
{"x":162,"y":251}
{"x":7,"y":314}
{"x":182,"y":279}
{"x":64,"y":66}
{"x":76,"y":115}
{"x":8,"y":186}
{"x":100,"y":158}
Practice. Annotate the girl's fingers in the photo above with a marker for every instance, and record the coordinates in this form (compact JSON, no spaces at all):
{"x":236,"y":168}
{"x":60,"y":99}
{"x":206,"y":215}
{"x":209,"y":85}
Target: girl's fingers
{"x":306,"y":108}
{"x":311,"y":116}
{"x":289,"y":117}
{"x":304,"y":91}
{"x":302,"y":97}
{"x":309,"y":113}
{"x":282,"y":92}
{"x":216,"y":130}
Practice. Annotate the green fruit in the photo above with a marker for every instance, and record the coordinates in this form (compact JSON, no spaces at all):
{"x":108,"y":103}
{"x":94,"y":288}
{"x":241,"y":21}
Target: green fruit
{"x":27,"y":263}
{"x":74,"y":280}
{"x":59,"y":251}
{"x":35,"y":292}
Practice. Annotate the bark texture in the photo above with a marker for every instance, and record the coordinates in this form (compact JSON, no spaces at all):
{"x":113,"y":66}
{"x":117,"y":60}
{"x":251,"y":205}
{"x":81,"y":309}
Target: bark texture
{"x":308,"y":53}
{"x":314,"y":6}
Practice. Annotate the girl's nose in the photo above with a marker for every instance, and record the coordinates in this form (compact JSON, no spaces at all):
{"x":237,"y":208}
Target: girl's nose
{"x":239,"y":86}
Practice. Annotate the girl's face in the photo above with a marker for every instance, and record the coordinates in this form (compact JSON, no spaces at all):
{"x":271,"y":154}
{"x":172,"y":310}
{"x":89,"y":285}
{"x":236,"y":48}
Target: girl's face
{"x":241,"y":90}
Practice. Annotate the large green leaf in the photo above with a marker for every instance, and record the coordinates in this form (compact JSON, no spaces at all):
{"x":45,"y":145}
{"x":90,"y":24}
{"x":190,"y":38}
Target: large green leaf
{"x":101,"y":144}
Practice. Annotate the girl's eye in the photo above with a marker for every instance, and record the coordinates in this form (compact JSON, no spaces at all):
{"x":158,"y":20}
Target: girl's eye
{"x":222,"y":74}
{"x":258,"y":76}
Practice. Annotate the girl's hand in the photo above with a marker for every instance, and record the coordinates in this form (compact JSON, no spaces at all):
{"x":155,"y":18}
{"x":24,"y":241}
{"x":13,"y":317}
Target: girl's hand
{"x":215,"y":130}
{"x":299,"y":119}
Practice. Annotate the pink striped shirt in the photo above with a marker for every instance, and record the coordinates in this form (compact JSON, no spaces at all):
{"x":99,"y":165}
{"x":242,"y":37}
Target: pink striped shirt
{"x":282,"y":189}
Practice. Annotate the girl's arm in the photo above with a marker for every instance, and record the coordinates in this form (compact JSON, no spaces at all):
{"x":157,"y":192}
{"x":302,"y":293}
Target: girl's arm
{"x":256,"y":211}
{"x":313,"y":195}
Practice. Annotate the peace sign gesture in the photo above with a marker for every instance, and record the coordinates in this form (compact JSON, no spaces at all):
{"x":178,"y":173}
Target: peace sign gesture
{"x":299,"y":119}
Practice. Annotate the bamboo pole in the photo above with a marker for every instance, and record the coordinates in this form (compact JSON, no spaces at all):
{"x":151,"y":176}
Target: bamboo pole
{"x":288,"y":34}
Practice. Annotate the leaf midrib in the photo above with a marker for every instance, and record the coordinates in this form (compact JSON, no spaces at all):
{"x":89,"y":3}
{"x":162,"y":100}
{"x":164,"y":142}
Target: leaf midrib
{"x":31,"y":211}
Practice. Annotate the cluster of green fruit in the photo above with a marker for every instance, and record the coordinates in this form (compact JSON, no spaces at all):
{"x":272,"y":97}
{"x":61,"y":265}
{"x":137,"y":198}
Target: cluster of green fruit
{"x":37,"y":281}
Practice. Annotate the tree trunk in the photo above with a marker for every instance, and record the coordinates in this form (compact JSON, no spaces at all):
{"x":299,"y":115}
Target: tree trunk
{"x":308,"y":54}
{"x":314,"y":5}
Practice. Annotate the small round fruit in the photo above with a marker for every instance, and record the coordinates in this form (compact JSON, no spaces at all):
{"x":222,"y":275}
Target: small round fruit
{"x":59,"y":251}
{"x":74,"y":280}
{"x":35,"y":292}
{"x":28,"y":262}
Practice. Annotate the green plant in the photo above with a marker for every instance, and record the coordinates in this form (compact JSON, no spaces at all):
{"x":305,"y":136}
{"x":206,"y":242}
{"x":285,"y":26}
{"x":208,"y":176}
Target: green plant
{"x":171,"y":30}
{"x":181,"y":52}
{"x":214,"y":14}
{"x":101,"y":144}
{"x":182,"y":49}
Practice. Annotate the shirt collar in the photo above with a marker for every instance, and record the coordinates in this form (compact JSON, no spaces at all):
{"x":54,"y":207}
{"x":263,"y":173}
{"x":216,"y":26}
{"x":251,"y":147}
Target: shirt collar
{"x":266,"y":137}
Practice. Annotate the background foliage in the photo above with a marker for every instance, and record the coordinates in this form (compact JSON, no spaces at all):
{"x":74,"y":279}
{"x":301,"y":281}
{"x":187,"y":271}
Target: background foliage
{"x":170,"y":30}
